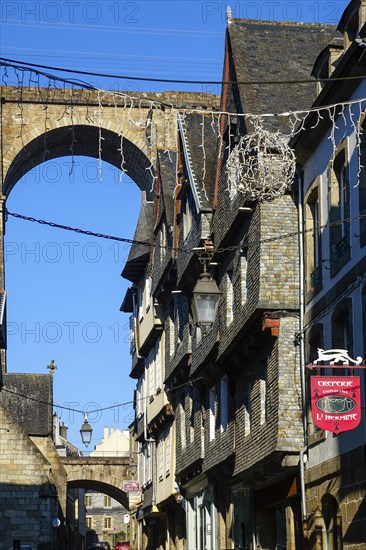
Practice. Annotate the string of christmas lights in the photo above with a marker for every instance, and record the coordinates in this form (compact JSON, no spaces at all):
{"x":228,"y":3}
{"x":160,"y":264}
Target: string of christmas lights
{"x":260,"y":165}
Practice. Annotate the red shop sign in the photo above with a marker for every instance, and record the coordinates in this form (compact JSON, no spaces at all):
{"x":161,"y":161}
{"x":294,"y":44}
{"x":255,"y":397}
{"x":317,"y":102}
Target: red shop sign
{"x":336,"y":402}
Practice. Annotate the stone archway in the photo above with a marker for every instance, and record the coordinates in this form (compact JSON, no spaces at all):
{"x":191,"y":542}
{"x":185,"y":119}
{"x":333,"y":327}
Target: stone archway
{"x":105,"y":475}
{"x":80,"y":140}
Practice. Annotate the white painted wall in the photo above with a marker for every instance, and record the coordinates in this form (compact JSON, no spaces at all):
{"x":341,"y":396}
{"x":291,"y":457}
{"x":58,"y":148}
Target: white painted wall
{"x":317,"y":165}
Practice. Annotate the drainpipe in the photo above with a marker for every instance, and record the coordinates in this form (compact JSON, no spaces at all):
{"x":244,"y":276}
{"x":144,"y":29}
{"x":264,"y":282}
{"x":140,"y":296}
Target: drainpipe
{"x":303,"y":456}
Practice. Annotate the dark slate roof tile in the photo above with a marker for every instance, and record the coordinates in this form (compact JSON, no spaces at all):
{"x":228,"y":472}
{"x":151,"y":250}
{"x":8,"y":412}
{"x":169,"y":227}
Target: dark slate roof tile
{"x":32,"y":407}
{"x":272,"y":50}
{"x":202,"y":153}
{"x":168,"y":175}
{"x":139,"y":253}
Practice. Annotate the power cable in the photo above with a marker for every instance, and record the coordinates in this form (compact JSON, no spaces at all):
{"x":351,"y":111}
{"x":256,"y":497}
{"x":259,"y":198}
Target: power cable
{"x":101,"y":409}
{"x":113,"y":28}
{"x":149,"y":58}
{"x":219,"y":250}
{"x":179,"y":81}
{"x":90,"y":233}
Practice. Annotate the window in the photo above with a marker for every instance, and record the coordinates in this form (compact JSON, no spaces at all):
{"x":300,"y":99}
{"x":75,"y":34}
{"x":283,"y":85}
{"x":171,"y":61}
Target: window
{"x":163,"y":242}
{"x":168,"y":450}
{"x":233,"y":171}
{"x":229,"y":298}
{"x":362,"y":186}
{"x":364,"y":319}
{"x":107,"y":523}
{"x":342,"y":329}
{"x":144,"y":463}
{"x":342,"y":333}
{"x":107,"y":501}
{"x":147,"y":463}
{"x":89,"y":522}
{"x":180,"y":318}
{"x":182,"y":416}
{"x":164,"y":453}
{"x":158,"y":365}
{"x":132,"y":334}
{"x":263,"y":397}
{"x":339,"y":211}
{"x":314,"y":340}
{"x":247,"y":409}
{"x":187,"y":218}
{"x":140,"y":395}
{"x":191,"y":416}
{"x":161,"y":456}
{"x":147,"y":294}
{"x":140,"y":299}
{"x":333,"y":523}
{"x":171,"y":335}
{"x":223,"y":404}
{"x":340,"y":169}
{"x":151,"y":371}
{"x":211,"y":412}
{"x":313,"y":253}
{"x":88,"y":501}
{"x":243,"y":276}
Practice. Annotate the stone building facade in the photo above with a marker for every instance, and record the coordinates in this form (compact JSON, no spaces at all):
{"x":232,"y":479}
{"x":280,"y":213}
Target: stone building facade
{"x":33,"y":482}
{"x":232,"y":394}
{"x":333,"y":197}
{"x":104,"y":515}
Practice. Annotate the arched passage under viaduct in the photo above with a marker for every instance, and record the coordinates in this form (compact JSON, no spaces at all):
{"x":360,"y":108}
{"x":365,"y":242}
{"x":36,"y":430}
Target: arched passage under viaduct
{"x":40,"y":124}
{"x":105,"y":475}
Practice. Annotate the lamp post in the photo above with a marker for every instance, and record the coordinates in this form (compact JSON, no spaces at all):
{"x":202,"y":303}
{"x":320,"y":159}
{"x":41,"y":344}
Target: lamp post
{"x":86,"y":431}
{"x":205,"y":300}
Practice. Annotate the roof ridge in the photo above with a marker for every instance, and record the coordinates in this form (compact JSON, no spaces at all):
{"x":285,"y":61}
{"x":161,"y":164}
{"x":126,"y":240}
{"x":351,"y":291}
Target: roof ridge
{"x":284,"y":23}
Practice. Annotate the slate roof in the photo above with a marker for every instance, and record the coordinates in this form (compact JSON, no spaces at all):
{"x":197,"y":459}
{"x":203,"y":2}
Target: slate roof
{"x":168,"y":176}
{"x":139,"y":253}
{"x":32,"y":412}
{"x":201,"y":159}
{"x":272,"y":50}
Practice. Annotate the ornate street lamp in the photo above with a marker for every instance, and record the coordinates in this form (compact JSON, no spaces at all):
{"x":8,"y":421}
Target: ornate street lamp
{"x":205,"y":300}
{"x":86,"y":431}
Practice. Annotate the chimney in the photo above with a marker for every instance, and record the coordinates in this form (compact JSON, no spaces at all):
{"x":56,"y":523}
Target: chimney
{"x":63,"y":430}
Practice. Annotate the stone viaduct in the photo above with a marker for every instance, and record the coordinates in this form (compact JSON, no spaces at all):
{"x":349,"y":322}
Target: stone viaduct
{"x":39,"y":124}
{"x":105,"y":475}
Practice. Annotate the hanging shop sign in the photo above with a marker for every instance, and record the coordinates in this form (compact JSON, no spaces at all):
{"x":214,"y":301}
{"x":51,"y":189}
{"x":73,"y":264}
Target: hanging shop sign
{"x":336,"y":400}
{"x":131,"y":486}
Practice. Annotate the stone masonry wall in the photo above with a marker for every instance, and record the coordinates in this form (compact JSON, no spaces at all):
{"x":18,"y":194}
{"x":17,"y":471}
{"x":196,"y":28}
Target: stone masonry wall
{"x":343,"y":481}
{"x":23,"y":472}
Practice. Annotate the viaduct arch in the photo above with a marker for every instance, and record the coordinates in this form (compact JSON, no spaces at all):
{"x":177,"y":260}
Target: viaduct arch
{"x":39,"y":124}
{"x":105,"y":475}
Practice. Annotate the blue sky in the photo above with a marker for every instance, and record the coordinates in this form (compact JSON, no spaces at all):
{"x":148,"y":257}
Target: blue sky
{"x":65,"y":290}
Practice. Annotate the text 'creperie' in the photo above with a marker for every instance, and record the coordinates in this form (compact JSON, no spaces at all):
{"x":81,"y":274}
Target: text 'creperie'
{"x":336,"y":383}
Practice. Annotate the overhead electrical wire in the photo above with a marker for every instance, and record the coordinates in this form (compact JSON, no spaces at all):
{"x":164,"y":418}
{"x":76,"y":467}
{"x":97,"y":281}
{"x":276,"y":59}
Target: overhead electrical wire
{"x":101,"y":409}
{"x":150,"y":58}
{"x":115,"y":29}
{"x":182,"y":81}
{"x":189,"y":251}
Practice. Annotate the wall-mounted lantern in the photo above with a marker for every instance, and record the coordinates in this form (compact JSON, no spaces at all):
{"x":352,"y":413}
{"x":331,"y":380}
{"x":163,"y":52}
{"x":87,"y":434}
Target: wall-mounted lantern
{"x":205,"y":300}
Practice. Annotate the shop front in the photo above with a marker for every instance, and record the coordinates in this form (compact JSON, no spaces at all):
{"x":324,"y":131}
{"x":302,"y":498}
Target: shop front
{"x":201,"y":515}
